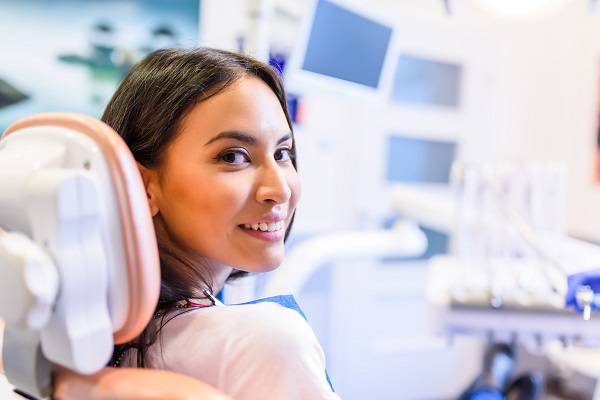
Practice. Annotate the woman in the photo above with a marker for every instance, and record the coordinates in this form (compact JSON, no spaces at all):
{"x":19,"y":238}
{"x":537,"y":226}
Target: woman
{"x":212,"y":136}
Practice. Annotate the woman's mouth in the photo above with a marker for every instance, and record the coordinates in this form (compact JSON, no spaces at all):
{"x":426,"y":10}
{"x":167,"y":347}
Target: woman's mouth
{"x":265,"y":226}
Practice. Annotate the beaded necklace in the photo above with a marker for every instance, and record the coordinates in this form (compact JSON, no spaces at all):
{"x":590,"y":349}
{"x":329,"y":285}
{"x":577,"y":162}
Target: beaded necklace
{"x":182,"y":304}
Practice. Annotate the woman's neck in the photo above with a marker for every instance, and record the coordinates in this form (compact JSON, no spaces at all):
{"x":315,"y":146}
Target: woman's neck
{"x":220,"y":275}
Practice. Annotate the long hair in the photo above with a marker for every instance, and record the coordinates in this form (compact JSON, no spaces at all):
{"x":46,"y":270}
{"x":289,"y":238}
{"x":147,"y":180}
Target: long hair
{"x":147,"y":110}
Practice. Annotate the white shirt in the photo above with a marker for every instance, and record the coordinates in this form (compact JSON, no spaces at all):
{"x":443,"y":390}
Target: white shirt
{"x":257,"y":351}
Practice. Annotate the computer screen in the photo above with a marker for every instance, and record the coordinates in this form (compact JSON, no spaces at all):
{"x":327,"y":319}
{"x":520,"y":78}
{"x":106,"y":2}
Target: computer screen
{"x":419,"y":160}
{"x":341,"y":47}
{"x":424,"y":81}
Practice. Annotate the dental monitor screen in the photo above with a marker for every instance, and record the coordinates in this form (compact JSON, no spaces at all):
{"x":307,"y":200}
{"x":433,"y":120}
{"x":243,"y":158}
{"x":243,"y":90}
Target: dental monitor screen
{"x":345,"y":44}
{"x":415,"y":160}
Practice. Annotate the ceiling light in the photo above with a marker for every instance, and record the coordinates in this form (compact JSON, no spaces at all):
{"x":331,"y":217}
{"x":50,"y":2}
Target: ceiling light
{"x":521,"y":8}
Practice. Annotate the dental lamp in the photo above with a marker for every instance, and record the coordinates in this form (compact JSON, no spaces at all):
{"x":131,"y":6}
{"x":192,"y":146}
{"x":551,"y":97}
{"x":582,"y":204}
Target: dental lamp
{"x":521,"y":8}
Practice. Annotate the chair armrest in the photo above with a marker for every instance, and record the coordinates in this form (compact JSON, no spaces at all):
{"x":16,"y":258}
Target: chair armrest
{"x":131,"y":384}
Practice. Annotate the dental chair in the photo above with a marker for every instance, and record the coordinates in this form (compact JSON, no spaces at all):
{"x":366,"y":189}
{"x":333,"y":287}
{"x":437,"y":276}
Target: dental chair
{"x":79,"y":267}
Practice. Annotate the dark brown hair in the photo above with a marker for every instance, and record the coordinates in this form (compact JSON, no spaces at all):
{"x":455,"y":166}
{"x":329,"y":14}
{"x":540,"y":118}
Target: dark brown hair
{"x":147,"y":110}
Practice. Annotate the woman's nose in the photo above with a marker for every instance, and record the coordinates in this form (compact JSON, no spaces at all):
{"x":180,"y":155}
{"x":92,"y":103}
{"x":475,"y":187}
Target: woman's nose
{"x":273,"y":185}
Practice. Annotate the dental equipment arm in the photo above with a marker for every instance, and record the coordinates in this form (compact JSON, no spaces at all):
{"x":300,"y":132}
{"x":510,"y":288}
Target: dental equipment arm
{"x":487,"y":295}
{"x":441,"y":213}
{"x":404,"y":239}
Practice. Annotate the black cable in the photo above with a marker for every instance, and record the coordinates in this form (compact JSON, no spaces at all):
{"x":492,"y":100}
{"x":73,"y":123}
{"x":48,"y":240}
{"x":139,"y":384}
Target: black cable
{"x":25,"y":395}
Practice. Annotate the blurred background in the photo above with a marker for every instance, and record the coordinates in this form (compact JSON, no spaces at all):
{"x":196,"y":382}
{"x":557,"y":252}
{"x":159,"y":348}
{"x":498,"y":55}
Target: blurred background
{"x":69,"y":55}
{"x":383,"y":93}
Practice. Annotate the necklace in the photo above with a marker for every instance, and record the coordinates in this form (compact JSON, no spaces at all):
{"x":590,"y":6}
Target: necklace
{"x":190,"y":304}
{"x":182,"y":304}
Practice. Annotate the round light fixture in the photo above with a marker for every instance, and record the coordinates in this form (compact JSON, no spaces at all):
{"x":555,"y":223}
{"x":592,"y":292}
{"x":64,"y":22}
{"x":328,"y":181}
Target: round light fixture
{"x":521,"y":8}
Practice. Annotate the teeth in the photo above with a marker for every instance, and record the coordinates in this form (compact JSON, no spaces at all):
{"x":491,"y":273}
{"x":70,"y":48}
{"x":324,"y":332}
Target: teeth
{"x":265,"y":226}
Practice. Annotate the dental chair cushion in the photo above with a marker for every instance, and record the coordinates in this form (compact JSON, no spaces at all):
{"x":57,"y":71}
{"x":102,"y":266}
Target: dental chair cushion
{"x":143,"y":274}
{"x":250,"y":351}
{"x":140,"y":254}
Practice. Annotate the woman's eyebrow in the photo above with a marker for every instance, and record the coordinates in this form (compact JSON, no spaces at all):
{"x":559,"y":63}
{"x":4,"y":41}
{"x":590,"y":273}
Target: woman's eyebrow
{"x":284,"y":138}
{"x":244,"y":137}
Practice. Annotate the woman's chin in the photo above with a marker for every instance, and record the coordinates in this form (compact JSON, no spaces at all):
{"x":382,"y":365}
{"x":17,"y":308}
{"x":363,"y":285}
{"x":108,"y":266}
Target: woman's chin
{"x":264,"y":266}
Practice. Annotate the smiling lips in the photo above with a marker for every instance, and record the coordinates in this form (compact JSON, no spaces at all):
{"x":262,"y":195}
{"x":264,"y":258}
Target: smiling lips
{"x":265,"y":226}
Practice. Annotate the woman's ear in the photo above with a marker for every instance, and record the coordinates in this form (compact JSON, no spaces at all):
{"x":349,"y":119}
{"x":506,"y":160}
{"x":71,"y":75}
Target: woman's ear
{"x":150,"y":179}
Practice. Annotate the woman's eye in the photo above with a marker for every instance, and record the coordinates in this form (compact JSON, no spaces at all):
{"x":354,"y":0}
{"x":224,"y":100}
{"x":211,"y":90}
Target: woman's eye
{"x":235,"y":157}
{"x":284,"y":154}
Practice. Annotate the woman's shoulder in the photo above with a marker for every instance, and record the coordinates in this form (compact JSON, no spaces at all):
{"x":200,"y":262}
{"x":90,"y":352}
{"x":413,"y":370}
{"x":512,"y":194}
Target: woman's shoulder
{"x":263,"y":320}
{"x":245,"y":349}
{"x":267,"y":330}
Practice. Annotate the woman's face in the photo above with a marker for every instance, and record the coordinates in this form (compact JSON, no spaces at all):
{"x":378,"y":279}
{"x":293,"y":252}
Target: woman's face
{"x":227,"y":189}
